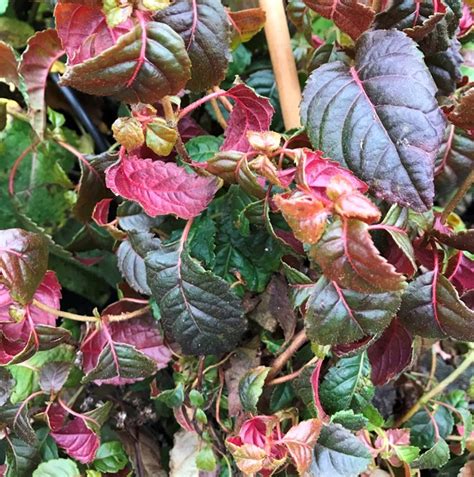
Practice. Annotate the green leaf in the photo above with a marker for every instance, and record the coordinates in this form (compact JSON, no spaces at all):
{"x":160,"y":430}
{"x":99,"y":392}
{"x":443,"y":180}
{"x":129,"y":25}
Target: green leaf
{"x":203,"y":148}
{"x":241,"y":59}
{"x":21,"y":458}
{"x":300,"y":286}
{"x":201,"y":240}
{"x":110,"y":457}
{"x":350,"y":377}
{"x":47,"y":447}
{"x":56,"y":468}
{"x":196,"y":398}
{"x":282,"y":397}
{"x":206,"y":460}
{"x":205,"y":30}
{"x":16,"y":417}
{"x":338,"y":454}
{"x":121,"y":360}
{"x":407,"y":453}
{"x":251,"y":387}
{"x":197,"y":307}
{"x":3,"y":6}
{"x":98,"y":417}
{"x":23,"y":262}
{"x":433,"y":458}
{"x":131,"y":74}
{"x":172,"y":397}
{"x":422,"y":431}
{"x":350,"y":420}
{"x":15,"y":32}
{"x":336,"y":315}
{"x":348,"y":256}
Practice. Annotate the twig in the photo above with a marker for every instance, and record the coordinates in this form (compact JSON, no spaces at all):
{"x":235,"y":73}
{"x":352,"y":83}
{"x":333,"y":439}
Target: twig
{"x":284,"y":67}
{"x":458,"y":196}
{"x":16,"y":165}
{"x":437,"y":389}
{"x":291,"y":376}
{"x":219,"y":116}
{"x":298,"y":341}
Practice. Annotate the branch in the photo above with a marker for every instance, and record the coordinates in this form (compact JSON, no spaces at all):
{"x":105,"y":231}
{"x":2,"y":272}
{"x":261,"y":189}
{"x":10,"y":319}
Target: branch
{"x":457,"y":197}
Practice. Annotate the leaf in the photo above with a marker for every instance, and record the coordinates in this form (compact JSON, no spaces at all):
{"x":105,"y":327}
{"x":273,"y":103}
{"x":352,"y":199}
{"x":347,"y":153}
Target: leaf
{"x":77,"y":440}
{"x":197,"y":308}
{"x":125,"y":351}
{"x":205,"y":30}
{"x":203,"y":148}
{"x":246,"y":24}
{"x":132,"y":267}
{"x":348,"y":257}
{"x":422,"y":431}
{"x":350,"y":16}
{"x":390,"y":354}
{"x":92,"y":188}
{"x":15,"y":32}
{"x":338,"y":453}
{"x":23,"y":262}
{"x":110,"y":457}
{"x":445,"y":66}
{"x":160,"y":137}
{"x":183,"y":455}
{"x":455,"y":160}
{"x":206,"y":460}
{"x":251,"y":388}
{"x":350,"y":376}
{"x":53,"y":376}
{"x":144,"y":65}
{"x":7,"y":385}
{"x":300,"y":441}
{"x":431,"y":308}
{"x":44,"y":48}
{"x":170,"y":189}
{"x":338,"y":316}
{"x":21,"y":458}
{"x":57,"y":467}
{"x":350,"y":420}
{"x":463,"y":115}
{"x":251,"y":112}
{"x":463,"y":240}
{"x":373,"y":95}
{"x":8,"y":65}
{"x":17,"y":419}
{"x":83,"y":30}
{"x":434,"y":458}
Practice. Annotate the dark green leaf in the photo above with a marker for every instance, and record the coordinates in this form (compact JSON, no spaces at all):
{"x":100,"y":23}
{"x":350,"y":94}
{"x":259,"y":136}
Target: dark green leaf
{"x":433,"y":458}
{"x":251,"y":388}
{"x":203,"y":148}
{"x":354,"y":116}
{"x":21,"y":458}
{"x":349,"y":378}
{"x":202,"y":240}
{"x":431,"y":308}
{"x":351,"y":421}
{"x":133,"y":75}
{"x":338,"y":454}
{"x":338,"y":316}
{"x":422,"y":431}
{"x":172,"y":397}
{"x":16,"y":417}
{"x":98,"y":417}
{"x":205,"y":29}
{"x":197,"y":307}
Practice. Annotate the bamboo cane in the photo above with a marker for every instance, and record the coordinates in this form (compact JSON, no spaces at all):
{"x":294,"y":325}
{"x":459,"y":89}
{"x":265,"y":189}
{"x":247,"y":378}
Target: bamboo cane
{"x":284,"y":67}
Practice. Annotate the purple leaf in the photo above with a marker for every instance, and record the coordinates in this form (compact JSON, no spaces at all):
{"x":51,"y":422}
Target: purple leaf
{"x":390,"y":354}
{"x":44,"y":48}
{"x":170,"y":189}
{"x":251,"y":112}
{"x":53,"y":376}
{"x":368,"y":120}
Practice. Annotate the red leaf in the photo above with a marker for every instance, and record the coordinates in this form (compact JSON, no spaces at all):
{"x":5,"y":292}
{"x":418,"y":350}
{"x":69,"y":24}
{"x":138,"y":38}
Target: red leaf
{"x":350,"y":16}
{"x":84,"y":32}
{"x":16,"y":333}
{"x":463,"y":275}
{"x":141,"y":333}
{"x":169,"y":188}
{"x":77,"y":440}
{"x":390,"y":354}
{"x":8,"y":64}
{"x":44,"y":48}
{"x":251,"y":112}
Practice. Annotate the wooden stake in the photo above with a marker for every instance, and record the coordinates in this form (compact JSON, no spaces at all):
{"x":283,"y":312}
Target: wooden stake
{"x":284,"y":67}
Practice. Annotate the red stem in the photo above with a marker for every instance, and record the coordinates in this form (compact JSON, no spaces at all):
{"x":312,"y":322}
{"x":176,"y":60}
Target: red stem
{"x":191,"y":107}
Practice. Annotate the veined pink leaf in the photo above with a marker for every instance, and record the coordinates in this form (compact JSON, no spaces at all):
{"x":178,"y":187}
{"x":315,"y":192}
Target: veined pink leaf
{"x":77,"y":440}
{"x":16,"y":334}
{"x":391,"y":353}
{"x":84,"y":32}
{"x":142,"y":334}
{"x":44,"y":48}
{"x":169,"y":188}
{"x":251,"y":112}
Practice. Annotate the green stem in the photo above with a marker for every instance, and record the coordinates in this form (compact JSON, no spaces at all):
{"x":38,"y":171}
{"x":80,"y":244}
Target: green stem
{"x":439,"y":388}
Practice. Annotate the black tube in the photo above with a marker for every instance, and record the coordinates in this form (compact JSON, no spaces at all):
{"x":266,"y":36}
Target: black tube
{"x":68,"y":93}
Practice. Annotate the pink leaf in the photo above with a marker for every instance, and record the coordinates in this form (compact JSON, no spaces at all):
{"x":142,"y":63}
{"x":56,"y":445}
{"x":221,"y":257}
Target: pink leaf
{"x":391,"y":354}
{"x":141,"y":333}
{"x":77,"y":440}
{"x":44,"y":48}
{"x":15,"y":334}
{"x":251,"y":112}
{"x":8,"y":64}
{"x":84,"y":32}
{"x":169,"y":188}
